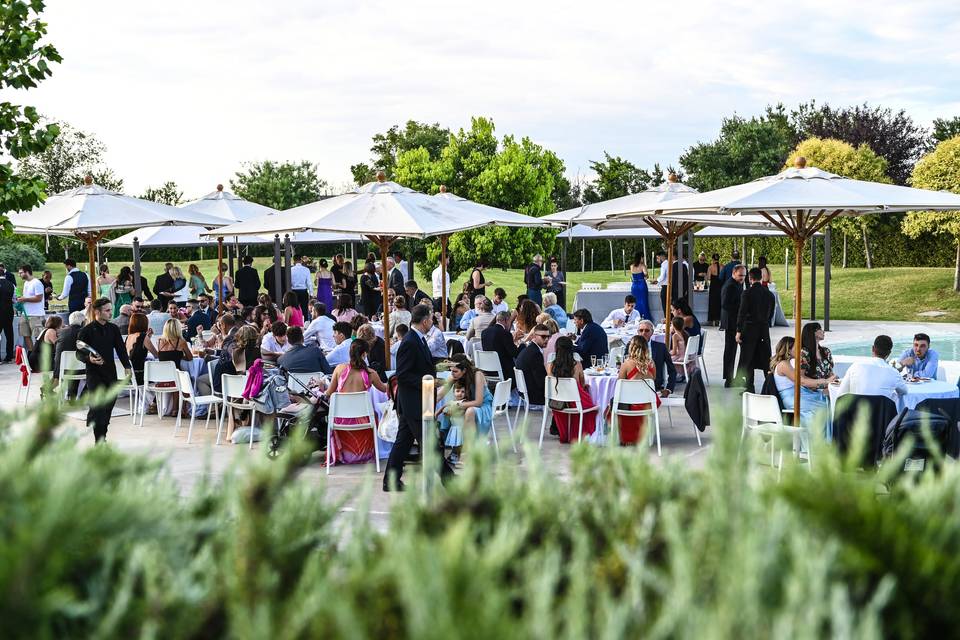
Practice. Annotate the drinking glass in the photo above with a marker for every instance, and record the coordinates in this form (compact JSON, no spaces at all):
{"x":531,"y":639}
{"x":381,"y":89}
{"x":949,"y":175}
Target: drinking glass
{"x":593,"y":362}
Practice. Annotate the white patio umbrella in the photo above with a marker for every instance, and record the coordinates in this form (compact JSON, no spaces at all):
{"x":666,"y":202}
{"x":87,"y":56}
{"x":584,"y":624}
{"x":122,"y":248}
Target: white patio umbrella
{"x":228,"y":206}
{"x":801,"y":201}
{"x":382,"y":211}
{"x":89,"y":211}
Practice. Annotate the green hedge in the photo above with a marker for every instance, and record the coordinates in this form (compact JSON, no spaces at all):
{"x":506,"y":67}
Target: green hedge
{"x":16,"y":254}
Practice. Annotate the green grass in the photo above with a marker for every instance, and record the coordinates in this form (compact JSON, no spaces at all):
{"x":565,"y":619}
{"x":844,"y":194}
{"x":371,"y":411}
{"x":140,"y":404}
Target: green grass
{"x":897,"y":294}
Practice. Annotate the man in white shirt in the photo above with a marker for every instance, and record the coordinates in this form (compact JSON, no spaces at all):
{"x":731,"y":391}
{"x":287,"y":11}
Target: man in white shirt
{"x":301,"y":284}
{"x":401,"y":265}
{"x":342,"y":332}
{"x":662,"y":261}
{"x":499,"y":301}
{"x":874,"y":377}
{"x":620,"y":317}
{"x":68,"y":282}
{"x":472,"y":313}
{"x":321,"y":328}
{"x":437,"y":292}
{"x":32,"y":299}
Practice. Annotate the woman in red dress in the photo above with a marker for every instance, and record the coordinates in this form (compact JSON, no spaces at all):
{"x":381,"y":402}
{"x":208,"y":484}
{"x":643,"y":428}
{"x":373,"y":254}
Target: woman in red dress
{"x":354,"y":447}
{"x":637,"y":366}
{"x":565,"y":363}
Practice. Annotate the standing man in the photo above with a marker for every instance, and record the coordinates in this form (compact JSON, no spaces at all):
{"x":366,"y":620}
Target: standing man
{"x":247,"y":283}
{"x":76,"y":287}
{"x":163,"y":286}
{"x":301,"y":284}
{"x":438,"y":288}
{"x":396,"y":279}
{"x":753,"y":328}
{"x":533,"y":278}
{"x":413,"y":362}
{"x":104,"y":338}
{"x":7,"y":275}
{"x":401,"y":264}
{"x":730,"y":296}
{"x":34,"y":314}
{"x":681,"y":284}
{"x":727,"y":270}
{"x":7,"y":295}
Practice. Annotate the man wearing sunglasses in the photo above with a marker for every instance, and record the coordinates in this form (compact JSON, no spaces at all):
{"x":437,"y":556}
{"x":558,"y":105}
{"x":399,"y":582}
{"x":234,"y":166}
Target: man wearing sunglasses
{"x":530,"y":363}
{"x":661,"y":360}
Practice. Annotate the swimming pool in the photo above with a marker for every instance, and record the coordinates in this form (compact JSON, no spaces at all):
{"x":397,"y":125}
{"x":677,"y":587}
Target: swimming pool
{"x":947,"y":347}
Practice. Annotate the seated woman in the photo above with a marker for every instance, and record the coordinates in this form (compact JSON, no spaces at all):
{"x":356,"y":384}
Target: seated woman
{"x":171,"y":347}
{"x":139,"y":344}
{"x":678,"y":345}
{"x":638,"y":365}
{"x":565,"y":363}
{"x":472,"y":411}
{"x":552,"y":341}
{"x":681,"y":309}
{"x":292,"y":314}
{"x":815,"y":361}
{"x":399,"y":313}
{"x":814,"y":403}
{"x":344,"y":311}
{"x":556,"y":311}
{"x":41,"y":354}
{"x":354,"y":447}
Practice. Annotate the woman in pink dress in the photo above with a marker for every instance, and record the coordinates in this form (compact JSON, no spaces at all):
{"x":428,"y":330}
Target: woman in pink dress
{"x":565,"y":363}
{"x":292,"y":315}
{"x":354,"y":447}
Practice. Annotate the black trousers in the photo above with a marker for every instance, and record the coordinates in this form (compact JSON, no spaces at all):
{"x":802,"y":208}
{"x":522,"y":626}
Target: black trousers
{"x":729,"y":355}
{"x":406,"y":434}
{"x":6,"y":325}
{"x":303,"y":299}
{"x":98,"y":417}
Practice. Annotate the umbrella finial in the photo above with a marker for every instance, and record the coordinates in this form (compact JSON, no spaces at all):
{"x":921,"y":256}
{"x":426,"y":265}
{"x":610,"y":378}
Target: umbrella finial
{"x":88,"y":180}
{"x":219,"y":187}
{"x":672,"y":177}
{"x":800,"y":162}
{"x":381,"y":176}
{"x":443,"y":188}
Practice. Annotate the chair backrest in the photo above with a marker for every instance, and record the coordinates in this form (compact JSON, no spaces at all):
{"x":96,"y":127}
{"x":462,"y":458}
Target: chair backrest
{"x":619,"y":286}
{"x":562,"y":390}
{"x":703,"y":341}
{"x":877,"y":410}
{"x":297,"y":382}
{"x":70,"y":362}
{"x":634,"y":392}
{"x":501,"y":395}
{"x":351,"y":405}
{"x":157,"y":371}
{"x":233,"y":386}
{"x":184,"y":384}
{"x":121,"y":373}
{"x":520,"y":380}
{"x":475,"y":344}
{"x":614,"y":352}
{"x":488,"y":361}
{"x":761,"y":409}
{"x":211,"y":366}
{"x":941,"y":373}
{"x":693,"y":346}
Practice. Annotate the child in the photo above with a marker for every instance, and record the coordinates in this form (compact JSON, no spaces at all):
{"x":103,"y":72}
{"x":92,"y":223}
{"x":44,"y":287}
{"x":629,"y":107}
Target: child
{"x":499,"y":295}
{"x":451,"y":424}
{"x":678,"y":344}
{"x":399,"y":332}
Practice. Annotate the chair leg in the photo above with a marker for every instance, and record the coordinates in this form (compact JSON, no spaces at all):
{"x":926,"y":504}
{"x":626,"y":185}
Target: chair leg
{"x":193,"y":418}
{"x":176,"y":425}
{"x":253,"y":423}
{"x":580,"y":432}
{"x":547,"y":413}
{"x":670,"y":416}
{"x":143,"y":404}
{"x":223,"y":414}
{"x":329,"y":443}
{"x":656,"y":425}
{"x":513,"y":437}
{"x":493,"y":434}
{"x":376,"y":447}
{"x":614,"y":428}
{"x":703,"y":369}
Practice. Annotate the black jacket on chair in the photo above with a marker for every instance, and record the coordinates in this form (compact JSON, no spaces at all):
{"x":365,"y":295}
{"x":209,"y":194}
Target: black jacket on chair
{"x":695,"y":400}
{"x":879,"y":411}
{"x":530,"y":362}
{"x":496,"y":338}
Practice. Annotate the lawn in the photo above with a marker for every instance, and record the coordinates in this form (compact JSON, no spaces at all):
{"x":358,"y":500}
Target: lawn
{"x":856,"y":294}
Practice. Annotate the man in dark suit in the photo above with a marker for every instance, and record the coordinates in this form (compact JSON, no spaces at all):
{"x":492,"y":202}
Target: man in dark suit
{"x":593,"y":339}
{"x":271,"y":284}
{"x":414,"y":294}
{"x":413,"y":362}
{"x":533,"y":278}
{"x":396,"y":279}
{"x":730,"y":297}
{"x":530,"y":363}
{"x":753,"y":328}
{"x":300,"y":358}
{"x":7,"y":290}
{"x":497,"y":338}
{"x":663,"y":363}
{"x":163,"y":286}
{"x":680,"y":288}
{"x":247,"y":283}
{"x":7,"y":275}
{"x":726,"y":271}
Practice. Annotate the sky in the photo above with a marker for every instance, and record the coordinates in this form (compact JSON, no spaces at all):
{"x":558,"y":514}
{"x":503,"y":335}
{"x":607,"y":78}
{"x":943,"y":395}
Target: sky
{"x":188,"y":91}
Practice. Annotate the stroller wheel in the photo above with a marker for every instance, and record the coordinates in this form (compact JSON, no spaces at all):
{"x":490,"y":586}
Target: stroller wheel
{"x":274,"y":450}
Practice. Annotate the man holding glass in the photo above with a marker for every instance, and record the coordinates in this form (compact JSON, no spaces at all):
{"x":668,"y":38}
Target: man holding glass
{"x":920,"y":360}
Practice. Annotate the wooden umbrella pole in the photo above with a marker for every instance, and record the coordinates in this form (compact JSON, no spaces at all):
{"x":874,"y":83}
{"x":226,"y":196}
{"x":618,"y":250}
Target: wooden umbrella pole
{"x":219,"y":278}
{"x":384,"y":244}
{"x":666,"y":311}
{"x":91,"y":254}
{"x":443,"y":282}
{"x":798,"y":242}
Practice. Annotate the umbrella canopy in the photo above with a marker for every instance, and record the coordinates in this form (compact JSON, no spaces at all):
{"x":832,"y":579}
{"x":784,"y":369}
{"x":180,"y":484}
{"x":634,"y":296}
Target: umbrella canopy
{"x":157,"y":237}
{"x":495,"y":215}
{"x":602,"y":214}
{"x":228,"y":206}
{"x":726,"y":227}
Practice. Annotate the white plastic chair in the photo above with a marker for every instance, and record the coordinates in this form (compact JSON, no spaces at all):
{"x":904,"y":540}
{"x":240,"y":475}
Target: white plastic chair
{"x":761,"y":415}
{"x":501,"y":402}
{"x":629,"y":392}
{"x":351,"y":405}
{"x":524,"y":396}
{"x":689,"y":354}
{"x":232,"y":398}
{"x":69,"y":362}
{"x":129,"y":385}
{"x":154,"y":373}
{"x":211,"y":365}
{"x":614,"y":352}
{"x":563,"y":390}
{"x":24,"y":365}
{"x":590,"y":286}
{"x":185,"y":386}
{"x":473,"y":345}
{"x":489,"y":363}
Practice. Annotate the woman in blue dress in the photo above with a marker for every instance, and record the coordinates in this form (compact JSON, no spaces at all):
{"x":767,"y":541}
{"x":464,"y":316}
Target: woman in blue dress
{"x":814,"y":403}
{"x":325,"y":285}
{"x":467,"y":402}
{"x":638,"y":272}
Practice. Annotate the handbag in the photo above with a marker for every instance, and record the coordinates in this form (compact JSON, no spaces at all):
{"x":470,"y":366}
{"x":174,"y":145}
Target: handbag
{"x":389,"y":423}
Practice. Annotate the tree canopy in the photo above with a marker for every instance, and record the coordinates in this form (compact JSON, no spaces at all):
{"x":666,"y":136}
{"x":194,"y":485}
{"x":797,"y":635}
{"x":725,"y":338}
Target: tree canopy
{"x":167,"y":193}
{"x":945,"y":128}
{"x":72,"y":156}
{"x":389,"y":145}
{"x":279,"y":185}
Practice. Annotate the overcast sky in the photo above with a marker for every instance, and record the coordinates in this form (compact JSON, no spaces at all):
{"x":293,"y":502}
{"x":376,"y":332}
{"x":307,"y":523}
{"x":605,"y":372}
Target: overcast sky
{"x":187,"y":91}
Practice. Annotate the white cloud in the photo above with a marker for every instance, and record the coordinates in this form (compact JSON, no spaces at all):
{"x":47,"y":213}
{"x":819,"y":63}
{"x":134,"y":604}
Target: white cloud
{"x":188,"y":90}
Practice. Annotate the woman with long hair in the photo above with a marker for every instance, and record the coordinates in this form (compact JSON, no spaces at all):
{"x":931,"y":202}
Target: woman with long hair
{"x":105,"y":282}
{"x":526,"y":320}
{"x":814,"y":404}
{"x":399,"y":313}
{"x":714,"y":289}
{"x":678,"y":344}
{"x":139,"y":344}
{"x":41,"y":353}
{"x":171,"y":347}
{"x":324,"y":284}
{"x":564,"y":362}
{"x":638,"y":285}
{"x":355,"y":376}
{"x":292,"y":315}
{"x":198,"y":284}
{"x":349,"y":280}
{"x":680,"y":308}
{"x":369,"y":290}
{"x":765,"y":278}
{"x":181,"y":287}
{"x":122,"y":289}
{"x":222,"y":285}
{"x":473,"y":409}
{"x":638,"y":365}
{"x":476,"y":284}
{"x":815,"y":361}
{"x":344,"y":311}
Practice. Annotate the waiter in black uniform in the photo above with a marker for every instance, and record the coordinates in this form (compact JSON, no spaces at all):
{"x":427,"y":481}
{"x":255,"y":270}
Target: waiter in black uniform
{"x":104,"y":338}
{"x":730,"y":297}
{"x":753,"y":328}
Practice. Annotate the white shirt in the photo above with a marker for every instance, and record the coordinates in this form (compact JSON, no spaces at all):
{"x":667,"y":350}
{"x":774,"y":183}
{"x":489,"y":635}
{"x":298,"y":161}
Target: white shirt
{"x":269,"y":344}
{"x":68,"y":283}
{"x":321,"y":330}
{"x":156,"y":320}
{"x":183,"y":294}
{"x":33,"y":288}
{"x":437,"y":282}
{"x":340,"y":353}
{"x":403,"y":270}
{"x":437,"y":343}
{"x":662,"y":278}
{"x":873,"y":377}
{"x":618,"y":314}
{"x":300,"y":278}
{"x":497,"y":308}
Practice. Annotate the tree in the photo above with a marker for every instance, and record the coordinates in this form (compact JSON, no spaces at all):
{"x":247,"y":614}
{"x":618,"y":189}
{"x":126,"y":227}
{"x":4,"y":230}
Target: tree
{"x":892,"y":135}
{"x":940,"y":171}
{"x":388,"y":146}
{"x":73,"y":155}
{"x":280,"y":185}
{"x":168,"y":193}
{"x":746,"y":150}
{"x":616,"y":177}
{"x":944,"y":129}
{"x":24,"y":62}
{"x":859,"y":163}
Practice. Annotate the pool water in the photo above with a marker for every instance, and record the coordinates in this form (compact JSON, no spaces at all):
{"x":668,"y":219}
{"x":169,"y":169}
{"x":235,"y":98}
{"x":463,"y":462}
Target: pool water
{"x":947,"y":347}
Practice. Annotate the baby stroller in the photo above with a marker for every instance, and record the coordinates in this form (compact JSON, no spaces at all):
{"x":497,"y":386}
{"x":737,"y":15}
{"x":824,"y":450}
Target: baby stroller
{"x":285,"y":422}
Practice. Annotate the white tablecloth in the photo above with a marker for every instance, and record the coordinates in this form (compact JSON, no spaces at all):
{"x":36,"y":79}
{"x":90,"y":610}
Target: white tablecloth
{"x":601,"y":390}
{"x":916,"y":393}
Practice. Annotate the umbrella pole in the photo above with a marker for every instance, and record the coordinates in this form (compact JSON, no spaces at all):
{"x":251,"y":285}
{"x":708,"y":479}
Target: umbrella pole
{"x":384,"y":245}
{"x":91,"y":255}
{"x":668,"y":299}
{"x":797,"y":321}
{"x":136,"y":268}
{"x":277,"y":275}
{"x":443,"y":282}
{"x":219,"y":279}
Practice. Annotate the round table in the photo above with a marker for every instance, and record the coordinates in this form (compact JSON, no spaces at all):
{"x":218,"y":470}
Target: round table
{"x":601,"y":387}
{"x":917,"y":392}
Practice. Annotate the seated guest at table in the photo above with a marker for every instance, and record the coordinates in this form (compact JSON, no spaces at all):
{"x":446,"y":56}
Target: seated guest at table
{"x":436,"y":341}
{"x":344,"y":311}
{"x":354,"y":376}
{"x":67,"y":341}
{"x":173,"y":310}
{"x":415,"y":295}
{"x":530,"y":360}
{"x":197,"y":320}
{"x":525,"y":320}
{"x":471,"y":313}
{"x":320,"y":330}
{"x":460,"y":309}
{"x":342,"y":336}
{"x":593,"y":339}
{"x":376,"y":348}
{"x":520,"y":300}
{"x":391,"y":295}
{"x":469,"y":410}
{"x":874,"y":377}
{"x":815,"y":361}
{"x":139,"y":344}
{"x":399,"y":313}
{"x":636,"y":366}
{"x":555,"y":310}
{"x":500,"y":300}
{"x":620,"y":317}
{"x":274,"y":342}
{"x":301,"y":358}
{"x":265,"y":313}
{"x":356,"y":322}
{"x":171,"y":347}
{"x":157,"y":316}
{"x":41,"y":354}
{"x":398,"y":332}
{"x":482,"y":320}
{"x":497,"y":338}
{"x":681,"y":309}
{"x":292,"y":314}
{"x":814,"y":403}
{"x":564,"y":364}
{"x":552,"y":340}
{"x":678,"y":344}
{"x":920,"y":359}
{"x":665,"y":375}
{"x":245,"y":351}
{"x":123,"y":319}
